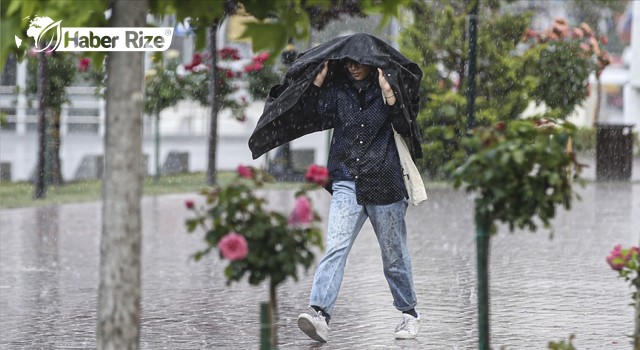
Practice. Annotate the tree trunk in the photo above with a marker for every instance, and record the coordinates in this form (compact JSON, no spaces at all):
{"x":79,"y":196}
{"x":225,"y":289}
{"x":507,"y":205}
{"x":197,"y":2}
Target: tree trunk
{"x":40,"y":184}
{"x":596,"y":109}
{"x":118,"y":324}
{"x":54,"y":169}
{"x":213,"y":88}
{"x":273,"y":315}
{"x":156,"y":178}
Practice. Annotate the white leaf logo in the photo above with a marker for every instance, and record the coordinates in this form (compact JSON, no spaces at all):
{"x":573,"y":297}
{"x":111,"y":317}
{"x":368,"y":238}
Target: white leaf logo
{"x":18,"y":41}
{"x":49,"y":38}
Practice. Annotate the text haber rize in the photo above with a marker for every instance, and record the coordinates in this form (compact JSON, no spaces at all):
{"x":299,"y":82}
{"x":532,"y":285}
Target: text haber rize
{"x":135,"y":40}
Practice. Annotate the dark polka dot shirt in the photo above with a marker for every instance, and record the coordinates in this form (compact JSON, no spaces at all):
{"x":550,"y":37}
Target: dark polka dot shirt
{"x":362,"y":147}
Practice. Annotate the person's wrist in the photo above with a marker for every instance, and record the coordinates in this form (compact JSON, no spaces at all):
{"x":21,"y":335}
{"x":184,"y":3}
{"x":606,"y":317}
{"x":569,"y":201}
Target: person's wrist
{"x":390,"y":99}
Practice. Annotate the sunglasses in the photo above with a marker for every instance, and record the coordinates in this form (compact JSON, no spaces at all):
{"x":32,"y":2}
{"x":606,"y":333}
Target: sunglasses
{"x":352,"y":65}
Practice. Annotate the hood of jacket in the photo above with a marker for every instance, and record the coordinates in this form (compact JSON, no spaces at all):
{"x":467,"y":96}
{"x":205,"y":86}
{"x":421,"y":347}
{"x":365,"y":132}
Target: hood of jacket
{"x":284,"y":118}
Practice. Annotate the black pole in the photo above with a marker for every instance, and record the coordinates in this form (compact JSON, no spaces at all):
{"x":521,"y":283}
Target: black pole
{"x":471,"y":78}
{"x":284,"y":164}
{"x":482,"y":221}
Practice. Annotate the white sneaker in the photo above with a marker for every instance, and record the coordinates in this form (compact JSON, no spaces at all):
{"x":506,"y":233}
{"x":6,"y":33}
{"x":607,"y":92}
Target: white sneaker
{"x":314,"y":325}
{"x":408,"y":327}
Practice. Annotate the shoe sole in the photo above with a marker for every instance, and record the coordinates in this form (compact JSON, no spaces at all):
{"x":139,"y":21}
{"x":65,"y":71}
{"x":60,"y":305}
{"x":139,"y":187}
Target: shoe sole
{"x":406,"y":336}
{"x":309,"y":329}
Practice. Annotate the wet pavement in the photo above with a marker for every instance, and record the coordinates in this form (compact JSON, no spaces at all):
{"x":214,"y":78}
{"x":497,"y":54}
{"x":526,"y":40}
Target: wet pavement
{"x":542,"y":289}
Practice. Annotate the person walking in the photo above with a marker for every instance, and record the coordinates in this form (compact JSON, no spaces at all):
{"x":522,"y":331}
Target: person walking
{"x":366,"y":183}
{"x":363,"y":89}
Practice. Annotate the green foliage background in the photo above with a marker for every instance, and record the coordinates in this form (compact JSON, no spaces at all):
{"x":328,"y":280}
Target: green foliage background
{"x":511,"y":73}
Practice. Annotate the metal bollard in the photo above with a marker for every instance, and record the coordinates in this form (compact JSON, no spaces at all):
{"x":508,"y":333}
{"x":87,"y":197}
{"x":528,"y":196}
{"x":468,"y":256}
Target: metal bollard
{"x":264,"y":327}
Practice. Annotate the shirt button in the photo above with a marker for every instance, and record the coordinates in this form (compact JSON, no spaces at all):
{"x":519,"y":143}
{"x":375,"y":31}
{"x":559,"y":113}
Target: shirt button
{"x":356,"y":176}
{"x":360,"y":108}
{"x":360,"y":142}
{"x":357,"y":159}
{"x":362,"y":125}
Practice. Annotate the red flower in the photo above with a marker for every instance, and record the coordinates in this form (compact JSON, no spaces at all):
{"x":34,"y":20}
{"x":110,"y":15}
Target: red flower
{"x":83,"y":64}
{"x":253,"y":67}
{"x":317,"y":174}
{"x":234,"y":246}
{"x":189,"y":204}
{"x":261,"y":58}
{"x":197,"y":60}
{"x":245,"y":171}
{"x":229,"y":53}
{"x":604,"y":40}
{"x":530,"y":34}
{"x":302,"y":213}
{"x":500,"y":126}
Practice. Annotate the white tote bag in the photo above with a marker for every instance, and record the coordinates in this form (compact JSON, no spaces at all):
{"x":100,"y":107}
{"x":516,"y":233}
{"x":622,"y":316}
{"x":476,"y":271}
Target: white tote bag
{"x":410,"y":173}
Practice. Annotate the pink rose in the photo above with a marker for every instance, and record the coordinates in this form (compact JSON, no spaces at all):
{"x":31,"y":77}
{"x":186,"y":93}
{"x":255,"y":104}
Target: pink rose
{"x":302,"y":213}
{"x":245,"y":171}
{"x":233,"y":246}
{"x":577,"y":33}
{"x":615,"y":258}
{"x":628,"y":253}
{"x":317,"y":174}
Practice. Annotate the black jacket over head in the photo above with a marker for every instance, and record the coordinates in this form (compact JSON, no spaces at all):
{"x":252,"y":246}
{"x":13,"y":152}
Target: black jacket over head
{"x":285,"y":118}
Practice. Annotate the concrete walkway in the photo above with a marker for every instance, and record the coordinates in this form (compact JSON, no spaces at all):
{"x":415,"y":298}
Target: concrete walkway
{"x":542,"y":289}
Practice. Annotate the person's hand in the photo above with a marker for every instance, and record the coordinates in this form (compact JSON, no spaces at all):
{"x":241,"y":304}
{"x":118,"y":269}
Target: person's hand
{"x":321,"y":75}
{"x":387,"y":92}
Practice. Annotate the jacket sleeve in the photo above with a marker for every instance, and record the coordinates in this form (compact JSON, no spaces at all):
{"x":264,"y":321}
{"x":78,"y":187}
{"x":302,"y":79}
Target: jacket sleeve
{"x":318,"y":102}
{"x":396,"y":116}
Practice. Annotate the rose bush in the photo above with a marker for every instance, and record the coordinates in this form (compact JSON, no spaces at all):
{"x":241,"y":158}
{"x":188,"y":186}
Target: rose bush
{"x":276,"y":243}
{"x":627,"y":263}
{"x":197,"y":78}
{"x":521,"y":170}
{"x":258,"y":242}
{"x":260,"y":76}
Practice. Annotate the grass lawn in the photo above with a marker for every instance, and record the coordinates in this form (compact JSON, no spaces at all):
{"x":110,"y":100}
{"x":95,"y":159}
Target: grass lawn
{"x":20,"y":194}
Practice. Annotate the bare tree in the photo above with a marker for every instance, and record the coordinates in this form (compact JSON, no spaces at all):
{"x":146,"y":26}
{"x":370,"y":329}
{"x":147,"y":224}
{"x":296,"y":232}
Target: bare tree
{"x":120,"y":268}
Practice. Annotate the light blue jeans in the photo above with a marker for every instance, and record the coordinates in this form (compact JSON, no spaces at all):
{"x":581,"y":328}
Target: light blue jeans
{"x":346,"y":218}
